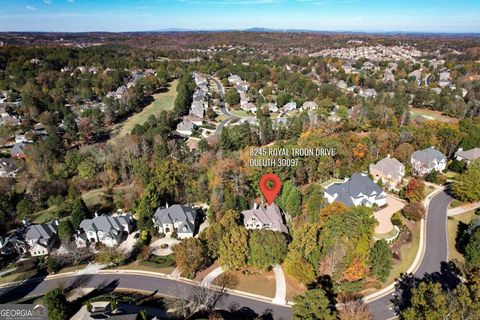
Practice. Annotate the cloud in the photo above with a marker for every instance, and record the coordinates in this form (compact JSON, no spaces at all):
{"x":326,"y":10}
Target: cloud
{"x":47,"y":1}
{"x":31,"y":8}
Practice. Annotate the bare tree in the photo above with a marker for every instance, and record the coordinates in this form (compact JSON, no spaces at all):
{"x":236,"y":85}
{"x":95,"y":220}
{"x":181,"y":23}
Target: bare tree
{"x":353,"y":308}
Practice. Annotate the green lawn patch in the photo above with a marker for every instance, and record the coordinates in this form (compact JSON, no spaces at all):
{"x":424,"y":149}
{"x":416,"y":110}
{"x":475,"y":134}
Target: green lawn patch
{"x":161,"y":101}
{"x":452,"y":226}
{"x":44,"y":216}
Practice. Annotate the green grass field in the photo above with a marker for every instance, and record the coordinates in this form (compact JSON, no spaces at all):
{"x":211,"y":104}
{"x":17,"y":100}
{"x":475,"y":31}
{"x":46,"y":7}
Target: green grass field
{"x":162,"y":101}
{"x":452,"y":225}
{"x":431,"y":115}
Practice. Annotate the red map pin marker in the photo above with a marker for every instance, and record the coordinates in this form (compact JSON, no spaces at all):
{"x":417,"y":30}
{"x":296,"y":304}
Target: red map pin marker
{"x":270,"y":192}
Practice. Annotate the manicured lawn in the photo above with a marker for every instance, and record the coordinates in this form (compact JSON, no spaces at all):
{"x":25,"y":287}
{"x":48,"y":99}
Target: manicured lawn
{"x":293,"y":288}
{"x":95,"y":196}
{"x":456,"y":203}
{"x":452,"y":225}
{"x":240,"y":113}
{"x":451,"y":174}
{"x":262,"y":284}
{"x":148,"y":266}
{"x":408,"y":253}
{"x":72,"y":268}
{"x":44,"y":216}
{"x":430,"y":114}
{"x":428,"y":190}
{"x":162,"y":101}
{"x":18,"y":276}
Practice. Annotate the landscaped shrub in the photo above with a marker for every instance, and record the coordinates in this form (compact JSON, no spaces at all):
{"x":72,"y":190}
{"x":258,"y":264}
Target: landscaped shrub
{"x":414,"y":211}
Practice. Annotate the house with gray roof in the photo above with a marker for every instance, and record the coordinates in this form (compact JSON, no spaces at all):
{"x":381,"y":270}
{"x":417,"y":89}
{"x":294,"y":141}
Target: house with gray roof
{"x":389,"y":170}
{"x":109,"y":230}
{"x":309,"y":105}
{"x":185,"y":127}
{"x":291,"y":106}
{"x":8,"y":168}
{"x":356,"y":191}
{"x":268,"y":217}
{"x":428,"y":160}
{"x":41,"y":238}
{"x":467,"y":155}
{"x":177,"y":218}
{"x":17,"y":150}
{"x":197,"y":109}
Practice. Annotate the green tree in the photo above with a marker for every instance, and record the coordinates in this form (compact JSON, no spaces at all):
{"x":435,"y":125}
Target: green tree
{"x":65,"y":230}
{"x":233,"y":248}
{"x":79,"y":212}
{"x":25,"y":208}
{"x":312,"y":305}
{"x":381,"y":260}
{"x":472,"y":249}
{"x":232,"y":97}
{"x":267,"y":248}
{"x":191,"y":256}
{"x":57,"y":305}
{"x":466,"y":187}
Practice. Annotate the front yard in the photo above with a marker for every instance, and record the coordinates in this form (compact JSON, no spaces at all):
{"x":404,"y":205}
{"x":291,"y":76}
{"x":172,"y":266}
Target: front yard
{"x":452,"y":228}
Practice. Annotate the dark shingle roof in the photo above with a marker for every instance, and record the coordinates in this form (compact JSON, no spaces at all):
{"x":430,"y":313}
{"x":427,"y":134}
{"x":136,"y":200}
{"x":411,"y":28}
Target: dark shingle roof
{"x":428,"y":156}
{"x":177,"y":213}
{"x":358,"y":184}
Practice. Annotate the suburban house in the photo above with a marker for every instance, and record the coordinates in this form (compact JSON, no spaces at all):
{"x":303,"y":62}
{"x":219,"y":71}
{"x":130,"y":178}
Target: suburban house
{"x":17,"y":150}
{"x":291,"y":106}
{"x":249,"y":106}
{"x":389,"y":170}
{"x":179,"y":218}
{"x":358,"y":190}
{"x":272,"y":107}
{"x":197,"y":109}
{"x":309,"y":105}
{"x":467,"y":155}
{"x":234,"y":79}
{"x":428,"y":160}
{"x":109,"y":230}
{"x":267,"y":217}
{"x":185,"y":127}
{"x":41,"y":238}
{"x":8,"y":168}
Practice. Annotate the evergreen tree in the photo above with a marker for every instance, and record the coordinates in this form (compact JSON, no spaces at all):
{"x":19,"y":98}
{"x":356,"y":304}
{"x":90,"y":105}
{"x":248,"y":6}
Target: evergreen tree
{"x":381,"y":260}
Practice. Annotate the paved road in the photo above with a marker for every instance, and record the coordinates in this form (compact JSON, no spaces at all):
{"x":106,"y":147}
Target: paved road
{"x":139,"y":282}
{"x":435,"y":251}
{"x":224,"y":110}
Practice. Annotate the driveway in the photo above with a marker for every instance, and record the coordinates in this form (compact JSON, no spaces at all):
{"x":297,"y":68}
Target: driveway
{"x":157,"y":250}
{"x":127,"y":246}
{"x":281,"y":286}
{"x":384,"y":215}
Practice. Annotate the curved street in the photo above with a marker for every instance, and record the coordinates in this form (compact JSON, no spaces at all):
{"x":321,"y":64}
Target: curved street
{"x":435,"y":253}
{"x":231,"y":116}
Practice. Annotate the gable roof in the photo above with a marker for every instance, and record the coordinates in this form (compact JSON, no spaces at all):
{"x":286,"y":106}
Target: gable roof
{"x":359,"y":184}
{"x":267,"y":214}
{"x":428,"y":156}
{"x":41,"y":233}
{"x":389,"y":167}
{"x":471,"y":154}
{"x":109,"y":225}
{"x":186,"y":215}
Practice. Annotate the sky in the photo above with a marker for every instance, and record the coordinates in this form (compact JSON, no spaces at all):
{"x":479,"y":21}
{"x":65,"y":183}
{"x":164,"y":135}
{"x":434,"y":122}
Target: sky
{"x":457,"y":16}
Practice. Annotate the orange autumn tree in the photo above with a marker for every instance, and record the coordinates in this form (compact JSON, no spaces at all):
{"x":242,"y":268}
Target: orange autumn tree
{"x":356,"y":270}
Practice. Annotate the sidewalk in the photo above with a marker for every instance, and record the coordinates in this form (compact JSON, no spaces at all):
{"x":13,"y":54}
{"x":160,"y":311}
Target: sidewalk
{"x":463,"y":208}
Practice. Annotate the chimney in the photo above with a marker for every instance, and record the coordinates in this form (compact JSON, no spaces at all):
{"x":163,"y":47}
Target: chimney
{"x":166,"y":205}
{"x":460,"y":149}
{"x":388,"y":155}
{"x":96,"y":213}
{"x":255,"y":206}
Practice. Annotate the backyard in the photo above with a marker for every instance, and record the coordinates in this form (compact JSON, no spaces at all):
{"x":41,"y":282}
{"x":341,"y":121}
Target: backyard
{"x":452,"y":227}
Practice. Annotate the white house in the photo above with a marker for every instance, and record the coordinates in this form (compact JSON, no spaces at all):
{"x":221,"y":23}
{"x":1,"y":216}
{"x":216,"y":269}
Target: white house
{"x":267,"y":217}
{"x":389,"y":170}
{"x":109,"y":230}
{"x":428,"y":160}
{"x":177,"y":218}
{"x":358,"y":190}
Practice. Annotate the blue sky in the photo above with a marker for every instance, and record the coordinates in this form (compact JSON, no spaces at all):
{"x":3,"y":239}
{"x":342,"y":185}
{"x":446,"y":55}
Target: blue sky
{"x":332,"y":15}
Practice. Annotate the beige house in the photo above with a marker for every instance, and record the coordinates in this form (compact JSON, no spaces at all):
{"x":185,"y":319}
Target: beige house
{"x":389,"y":170}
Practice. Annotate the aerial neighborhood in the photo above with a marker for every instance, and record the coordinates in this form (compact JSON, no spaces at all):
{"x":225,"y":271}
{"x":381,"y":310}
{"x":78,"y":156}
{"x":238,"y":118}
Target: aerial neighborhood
{"x":137,"y":159}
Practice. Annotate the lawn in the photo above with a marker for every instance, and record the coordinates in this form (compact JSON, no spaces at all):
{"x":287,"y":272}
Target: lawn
{"x":430,"y":114}
{"x":164,"y":265}
{"x":44,"y":216}
{"x":407,"y":253}
{"x":161,"y":101}
{"x":456,"y":203}
{"x":18,"y":276}
{"x":428,"y":190}
{"x":239,"y":113}
{"x":95,"y":196}
{"x":262,"y":283}
{"x":293,"y":288}
{"x":330,"y":181}
{"x":452,"y":225}
{"x":72,"y":268}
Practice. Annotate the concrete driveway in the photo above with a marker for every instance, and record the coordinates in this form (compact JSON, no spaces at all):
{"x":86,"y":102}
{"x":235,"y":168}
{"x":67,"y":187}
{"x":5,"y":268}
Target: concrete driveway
{"x":127,"y":245}
{"x":384,"y":215}
{"x":156,"y":246}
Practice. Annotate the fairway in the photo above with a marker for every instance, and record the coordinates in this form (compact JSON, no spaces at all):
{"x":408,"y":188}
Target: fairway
{"x":162,"y":101}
